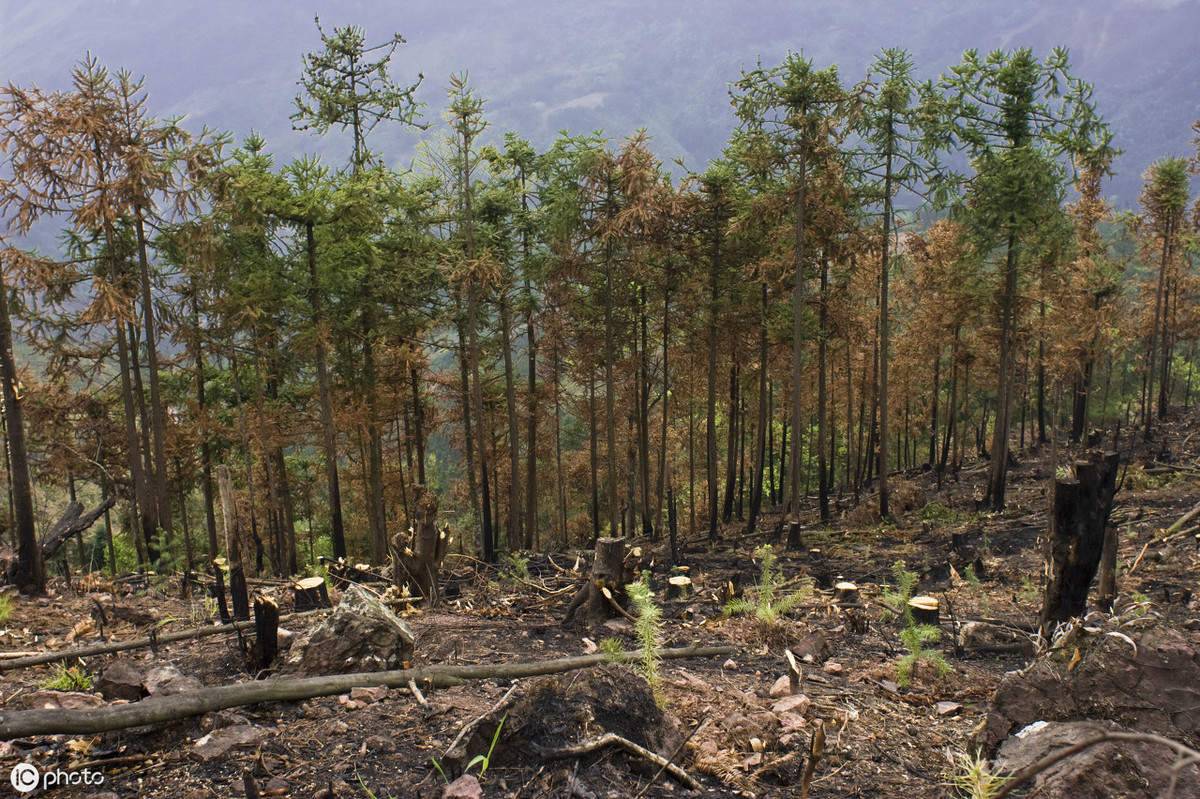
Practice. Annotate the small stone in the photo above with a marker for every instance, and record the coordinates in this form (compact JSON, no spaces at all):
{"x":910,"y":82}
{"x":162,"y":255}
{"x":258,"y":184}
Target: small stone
{"x":217,"y":743}
{"x":948,"y":708}
{"x":338,"y":727}
{"x":791,"y":704}
{"x":277,"y":786}
{"x":379,"y":744}
{"x":782,"y":687}
{"x":832,"y":668}
{"x":465,"y":787}
{"x":730,"y":664}
{"x":369,"y":695}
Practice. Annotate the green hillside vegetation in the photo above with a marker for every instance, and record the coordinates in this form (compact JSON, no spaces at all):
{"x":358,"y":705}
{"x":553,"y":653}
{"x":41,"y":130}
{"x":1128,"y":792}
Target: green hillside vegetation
{"x":562,"y":338}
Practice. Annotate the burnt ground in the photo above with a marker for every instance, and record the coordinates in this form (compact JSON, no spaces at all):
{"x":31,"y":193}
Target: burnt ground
{"x":882,"y":739}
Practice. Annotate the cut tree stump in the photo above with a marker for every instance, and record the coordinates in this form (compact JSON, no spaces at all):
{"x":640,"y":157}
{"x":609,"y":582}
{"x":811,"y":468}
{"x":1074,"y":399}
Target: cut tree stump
{"x":925,"y":610}
{"x":1078,"y":520}
{"x":590,"y":605}
{"x":310,"y":594}
{"x":418,"y":552}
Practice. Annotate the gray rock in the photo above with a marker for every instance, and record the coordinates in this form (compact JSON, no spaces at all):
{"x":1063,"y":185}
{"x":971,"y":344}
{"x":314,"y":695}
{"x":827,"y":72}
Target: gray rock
{"x":62,"y":700}
{"x":465,"y":787}
{"x":362,"y":635}
{"x":120,"y":680}
{"x":166,"y":680}
{"x":218,"y":742}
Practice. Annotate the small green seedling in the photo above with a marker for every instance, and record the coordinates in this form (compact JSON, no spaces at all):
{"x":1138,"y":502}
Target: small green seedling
{"x":763,"y":602}
{"x":483,"y":761}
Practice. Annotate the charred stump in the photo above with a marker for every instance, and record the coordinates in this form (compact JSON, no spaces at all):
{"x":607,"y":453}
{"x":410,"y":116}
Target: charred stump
{"x":266,"y":633}
{"x":593,"y":605}
{"x":1078,"y":521}
{"x":417,"y":553}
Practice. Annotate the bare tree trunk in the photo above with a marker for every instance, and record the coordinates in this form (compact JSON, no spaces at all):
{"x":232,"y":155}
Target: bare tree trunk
{"x":233,"y":545}
{"x":30,"y":575}
{"x":517,"y":532}
{"x":329,"y":433}
{"x":162,"y":498}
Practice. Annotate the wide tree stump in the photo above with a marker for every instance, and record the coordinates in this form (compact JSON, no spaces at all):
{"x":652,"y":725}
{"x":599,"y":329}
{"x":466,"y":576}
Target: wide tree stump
{"x":1078,"y":520}
{"x":310,"y":594}
{"x":591,"y":605}
{"x":417,"y":553}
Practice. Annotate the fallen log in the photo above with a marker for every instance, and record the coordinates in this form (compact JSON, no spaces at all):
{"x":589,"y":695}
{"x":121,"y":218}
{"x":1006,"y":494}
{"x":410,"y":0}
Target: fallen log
{"x":24,"y":723}
{"x":136,"y":643}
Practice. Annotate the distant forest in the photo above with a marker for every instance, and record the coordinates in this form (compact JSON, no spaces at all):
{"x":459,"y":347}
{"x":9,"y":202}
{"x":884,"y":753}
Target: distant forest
{"x":879,"y":274}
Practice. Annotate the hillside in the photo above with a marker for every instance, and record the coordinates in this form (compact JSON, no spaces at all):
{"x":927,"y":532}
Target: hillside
{"x":615,"y":65}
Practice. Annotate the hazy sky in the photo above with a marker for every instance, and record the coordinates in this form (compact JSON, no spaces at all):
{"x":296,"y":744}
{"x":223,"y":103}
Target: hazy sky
{"x":617,"y":64}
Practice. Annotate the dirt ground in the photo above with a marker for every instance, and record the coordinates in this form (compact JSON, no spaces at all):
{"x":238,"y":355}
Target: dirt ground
{"x":732,"y":735}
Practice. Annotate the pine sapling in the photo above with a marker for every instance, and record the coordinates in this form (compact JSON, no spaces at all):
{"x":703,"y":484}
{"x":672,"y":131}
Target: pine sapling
{"x":649,"y":616}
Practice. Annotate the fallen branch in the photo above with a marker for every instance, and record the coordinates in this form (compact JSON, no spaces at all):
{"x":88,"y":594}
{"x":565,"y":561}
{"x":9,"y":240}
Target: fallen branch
{"x":73,"y":522}
{"x":608,"y":738}
{"x":24,"y":723}
{"x":1184,"y":519}
{"x":138,"y":643}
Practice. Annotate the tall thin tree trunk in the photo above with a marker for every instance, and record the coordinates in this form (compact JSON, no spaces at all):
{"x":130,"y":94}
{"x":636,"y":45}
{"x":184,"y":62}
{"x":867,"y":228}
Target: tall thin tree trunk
{"x":516,"y":531}
{"x":31,"y":572}
{"x":760,"y":446}
{"x":162,"y":498}
{"x":328,"y":432}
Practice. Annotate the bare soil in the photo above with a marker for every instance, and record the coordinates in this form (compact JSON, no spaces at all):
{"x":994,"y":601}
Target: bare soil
{"x":882,"y":739}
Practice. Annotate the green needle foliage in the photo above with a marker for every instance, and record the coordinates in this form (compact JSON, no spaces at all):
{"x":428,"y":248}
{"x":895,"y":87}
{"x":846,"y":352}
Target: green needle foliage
{"x":766,"y":601}
{"x":649,"y":618}
{"x":895,"y":600}
{"x":973,"y":778}
{"x":916,"y":638}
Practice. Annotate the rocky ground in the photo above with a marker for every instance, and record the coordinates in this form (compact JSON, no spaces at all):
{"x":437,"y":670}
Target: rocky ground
{"x":729,"y":722}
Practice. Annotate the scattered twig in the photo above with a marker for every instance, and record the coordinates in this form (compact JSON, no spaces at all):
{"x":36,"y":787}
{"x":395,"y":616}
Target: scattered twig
{"x":1184,"y":519}
{"x":609,"y":738}
{"x":416,"y":692}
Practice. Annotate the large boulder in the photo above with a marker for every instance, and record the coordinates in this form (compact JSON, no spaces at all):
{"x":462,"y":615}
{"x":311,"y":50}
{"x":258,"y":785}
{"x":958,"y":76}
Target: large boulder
{"x":362,"y":635}
{"x":1147,"y":681}
{"x":1127,"y":769}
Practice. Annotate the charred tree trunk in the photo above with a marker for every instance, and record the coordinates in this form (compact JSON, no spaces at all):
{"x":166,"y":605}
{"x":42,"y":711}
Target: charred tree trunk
{"x":1078,"y":519}
{"x":591,"y":605}
{"x":418,"y":557}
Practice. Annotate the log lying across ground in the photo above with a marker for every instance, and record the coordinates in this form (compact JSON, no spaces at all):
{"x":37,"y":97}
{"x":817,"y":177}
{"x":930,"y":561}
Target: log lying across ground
{"x":23,"y":723}
{"x":138,"y":643}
